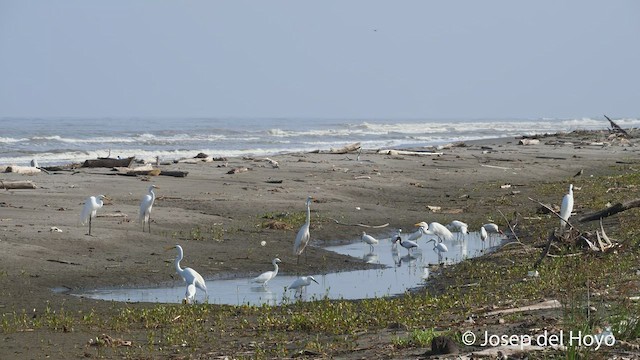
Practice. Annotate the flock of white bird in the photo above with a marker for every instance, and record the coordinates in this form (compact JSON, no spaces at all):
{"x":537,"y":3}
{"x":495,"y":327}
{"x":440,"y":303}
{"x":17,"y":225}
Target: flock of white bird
{"x":195,"y":281}
{"x":191,"y":277}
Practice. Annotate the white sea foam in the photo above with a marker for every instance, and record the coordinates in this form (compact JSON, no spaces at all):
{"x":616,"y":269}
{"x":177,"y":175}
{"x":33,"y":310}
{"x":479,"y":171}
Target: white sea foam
{"x":64,"y":141}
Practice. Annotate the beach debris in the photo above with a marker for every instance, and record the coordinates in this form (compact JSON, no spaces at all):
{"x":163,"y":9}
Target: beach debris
{"x":55,"y":229}
{"x":14,"y":185}
{"x":108,"y":162}
{"x":505,"y":186}
{"x":433,"y":208}
{"x":106,"y":340}
{"x":25,"y":170}
{"x":201,"y":156}
{"x":361,"y":177}
{"x":615,"y":128}
{"x":361,"y":225}
{"x":406,"y":152}
{"x":345,"y":149}
{"x":544,"y":305}
{"x":273,"y":163}
{"x":528,"y":142}
{"x":238,"y":170}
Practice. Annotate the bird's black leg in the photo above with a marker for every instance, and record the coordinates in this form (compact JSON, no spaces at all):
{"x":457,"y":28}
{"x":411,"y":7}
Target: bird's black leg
{"x":89,"y":225}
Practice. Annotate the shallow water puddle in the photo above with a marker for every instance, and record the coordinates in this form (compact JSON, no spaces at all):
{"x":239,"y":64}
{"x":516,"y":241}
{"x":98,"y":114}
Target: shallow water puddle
{"x":403,"y":271}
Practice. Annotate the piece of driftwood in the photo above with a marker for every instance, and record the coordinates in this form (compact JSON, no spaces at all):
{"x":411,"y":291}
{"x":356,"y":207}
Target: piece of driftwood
{"x":616,"y":128}
{"x":26,"y":170}
{"x":108,"y":162}
{"x":362,"y":225}
{"x":406,"y":152}
{"x":237,"y":170}
{"x":611,"y":210}
{"x":545,"y":305}
{"x":22,"y":184}
{"x":343,"y":150}
{"x":528,"y":142}
{"x":174,"y":173}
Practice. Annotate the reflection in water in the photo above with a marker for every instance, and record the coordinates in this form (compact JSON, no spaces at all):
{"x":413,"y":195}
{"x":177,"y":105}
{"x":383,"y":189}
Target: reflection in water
{"x":401,"y":274}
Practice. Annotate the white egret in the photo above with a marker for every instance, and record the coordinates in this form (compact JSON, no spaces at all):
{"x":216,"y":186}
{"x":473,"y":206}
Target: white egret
{"x":187,"y":274}
{"x":407,"y":244}
{"x":146,"y":203}
{"x":461,"y":227}
{"x":440,"y":248}
{"x":566,"y":208}
{"x":417,"y":234}
{"x":369,"y":240}
{"x":303,"y":236}
{"x":267,"y":275}
{"x":437,"y":229}
{"x":91,"y":206}
{"x":301,"y":283}
{"x":492,"y":228}
{"x":190,"y":294}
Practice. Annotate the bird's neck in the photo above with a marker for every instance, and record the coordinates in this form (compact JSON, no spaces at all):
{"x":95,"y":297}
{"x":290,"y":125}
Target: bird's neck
{"x":308,"y":213}
{"x":275,"y":269}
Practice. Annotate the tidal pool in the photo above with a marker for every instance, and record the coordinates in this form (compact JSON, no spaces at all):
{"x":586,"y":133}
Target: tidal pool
{"x":403,"y":271}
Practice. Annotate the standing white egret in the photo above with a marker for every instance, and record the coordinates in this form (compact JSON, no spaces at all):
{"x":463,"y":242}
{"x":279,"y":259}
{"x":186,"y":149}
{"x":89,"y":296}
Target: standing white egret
{"x":301,"y":283}
{"x":460,"y":226}
{"x":190,"y":294}
{"x":146,"y":203}
{"x":189,"y":275}
{"x":566,"y":208}
{"x":303,"y":236}
{"x":267,"y":275}
{"x":369,"y":240}
{"x":439,"y":247}
{"x":492,"y":228}
{"x":91,"y":206}
{"x":414,"y":236}
{"x":437,"y":229}
{"x":407,"y":244}
{"x":483,"y":234}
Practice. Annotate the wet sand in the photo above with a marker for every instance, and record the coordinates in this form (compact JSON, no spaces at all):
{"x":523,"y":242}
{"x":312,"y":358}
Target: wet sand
{"x":466,"y":182}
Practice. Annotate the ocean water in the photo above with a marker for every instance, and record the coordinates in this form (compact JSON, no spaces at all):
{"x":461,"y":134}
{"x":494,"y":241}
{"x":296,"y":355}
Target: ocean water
{"x":63,"y":141}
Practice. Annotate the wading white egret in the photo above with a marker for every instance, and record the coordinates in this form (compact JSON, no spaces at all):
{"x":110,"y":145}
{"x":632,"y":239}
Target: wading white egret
{"x":267,"y":275}
{"x":437,"y":229}
{"x":461,"y":227}
{"x":190,"y":294}
{"x":414,"y":236}
{"x":407,"y":244}
{"x":492,"y":228}
{"x":91,"y":206}
{"x":566,"y":208}
{"x":187,"y":274}
{"x":146,"y":203}
{"x":439,"y":246}
{"x":301,"y":283}
{"x":369,"y":240}
{"x":303,"y":236}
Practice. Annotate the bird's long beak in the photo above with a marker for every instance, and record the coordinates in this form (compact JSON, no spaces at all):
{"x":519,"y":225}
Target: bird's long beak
{"x":167,"y":248}
{"x":416,"y":225}
{"x":314,"y":280}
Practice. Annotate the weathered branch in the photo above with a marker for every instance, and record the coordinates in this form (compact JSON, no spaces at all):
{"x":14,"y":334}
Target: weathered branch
{"x":362,"y":225}
{"x":611,"y":210}
{"x":617,"y":128}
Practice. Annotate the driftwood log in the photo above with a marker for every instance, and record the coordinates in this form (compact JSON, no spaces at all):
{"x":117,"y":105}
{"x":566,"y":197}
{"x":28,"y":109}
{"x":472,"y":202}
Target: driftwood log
{"x":26,"y":170}
{"x":108,"y":162}
{"x":23,"y":184}
{"x":616,"y":128}
{"x":611,"y":210}
{"x":343,"y":150}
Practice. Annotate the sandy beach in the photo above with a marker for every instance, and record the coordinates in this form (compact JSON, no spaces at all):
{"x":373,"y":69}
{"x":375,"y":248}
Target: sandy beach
{"x":466,"y":181}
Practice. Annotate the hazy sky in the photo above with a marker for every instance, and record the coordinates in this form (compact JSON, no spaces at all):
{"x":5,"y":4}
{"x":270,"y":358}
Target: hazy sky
{"x":342,"y":58}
